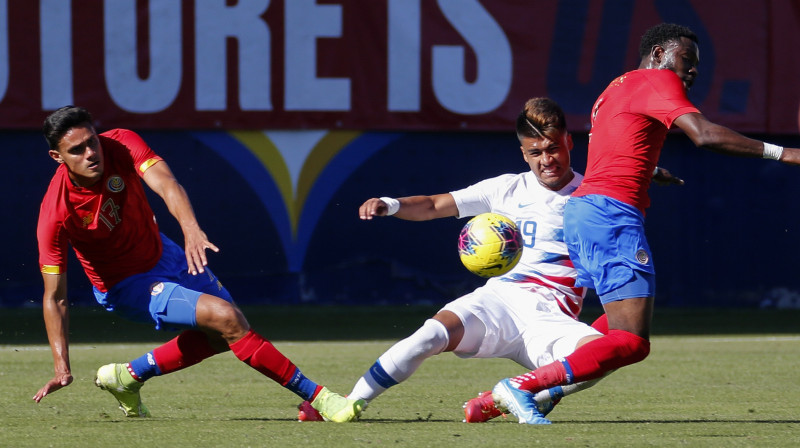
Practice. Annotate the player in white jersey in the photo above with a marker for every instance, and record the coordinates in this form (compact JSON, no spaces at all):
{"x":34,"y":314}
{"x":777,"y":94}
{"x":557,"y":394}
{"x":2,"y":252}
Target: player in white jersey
{"x":528,"y":315}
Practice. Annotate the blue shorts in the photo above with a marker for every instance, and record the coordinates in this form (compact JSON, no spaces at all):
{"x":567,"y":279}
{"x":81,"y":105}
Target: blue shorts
{"x":167,"y":293}
{"x":606,"y":243}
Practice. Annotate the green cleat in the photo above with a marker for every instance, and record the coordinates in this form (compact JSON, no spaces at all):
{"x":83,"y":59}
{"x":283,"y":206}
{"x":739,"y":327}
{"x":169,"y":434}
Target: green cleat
{"x":116,"y":379}
{"x":336,"y":408}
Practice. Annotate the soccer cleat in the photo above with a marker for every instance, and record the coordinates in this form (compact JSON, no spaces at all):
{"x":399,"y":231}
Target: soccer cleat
{"x":481,"y":409}
{"x":336,"y":408}
{"x":116,"y":379}
{"x":518,"y":402}
{"x":307,"y":413}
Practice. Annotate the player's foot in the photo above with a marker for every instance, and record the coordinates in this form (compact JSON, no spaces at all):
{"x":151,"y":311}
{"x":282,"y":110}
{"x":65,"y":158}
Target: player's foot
{"x":518,"y":402}
{"x":481,"y":409}
{"x":336,"y":408}
{"x":545,"y":408}
{"x":116,"y":379}
{"x":307,"y":413}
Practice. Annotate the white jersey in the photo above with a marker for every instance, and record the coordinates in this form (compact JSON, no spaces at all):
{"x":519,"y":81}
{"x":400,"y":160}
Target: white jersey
{"x":545,"y":267}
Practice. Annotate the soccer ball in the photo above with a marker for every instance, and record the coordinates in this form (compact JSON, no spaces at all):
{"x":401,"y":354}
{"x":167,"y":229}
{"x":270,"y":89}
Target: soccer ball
{"x":490,"y":245}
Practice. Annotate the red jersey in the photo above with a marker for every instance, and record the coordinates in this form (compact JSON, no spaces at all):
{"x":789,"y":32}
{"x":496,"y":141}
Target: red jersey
{"x":630,"y":121}
{"x":110,"y":225}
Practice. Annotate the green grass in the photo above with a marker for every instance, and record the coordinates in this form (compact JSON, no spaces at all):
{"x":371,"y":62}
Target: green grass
{"x":713,"y":379}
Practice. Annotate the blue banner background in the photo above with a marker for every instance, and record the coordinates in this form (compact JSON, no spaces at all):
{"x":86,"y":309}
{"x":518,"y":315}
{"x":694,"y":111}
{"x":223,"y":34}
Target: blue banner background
{"x":729,"y":237}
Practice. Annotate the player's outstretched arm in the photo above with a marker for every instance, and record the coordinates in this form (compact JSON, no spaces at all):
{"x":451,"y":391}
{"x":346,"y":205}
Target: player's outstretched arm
{"x":708,"y":135}
{"x":410,"y":208}
{"x":56,"y":320}
{"x":161,"y":180}
{"x":663,"y":176}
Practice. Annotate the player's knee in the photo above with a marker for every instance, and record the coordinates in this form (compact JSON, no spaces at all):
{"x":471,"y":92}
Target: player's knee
{"x":630,"y":348}
{"x":221,"y":316}
{"x":431,"y":338}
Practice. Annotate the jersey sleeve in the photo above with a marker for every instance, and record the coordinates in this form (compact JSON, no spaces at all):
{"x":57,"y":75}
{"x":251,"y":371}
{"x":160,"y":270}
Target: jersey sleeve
{"x":143,"y":156}
{"x":478,"y":198}
{"x":663,"y":98}
{"x":52,"y":241}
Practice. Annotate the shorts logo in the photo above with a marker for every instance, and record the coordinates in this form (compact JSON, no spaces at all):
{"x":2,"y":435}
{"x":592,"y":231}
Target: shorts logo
{"x":642,"y":257}
{"x":157,"y":289}
{"x":115,"y":184}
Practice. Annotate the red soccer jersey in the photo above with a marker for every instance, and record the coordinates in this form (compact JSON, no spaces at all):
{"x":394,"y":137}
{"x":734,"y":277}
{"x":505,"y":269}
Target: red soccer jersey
{"x":630,"y":121}
{"x":110,"y":225}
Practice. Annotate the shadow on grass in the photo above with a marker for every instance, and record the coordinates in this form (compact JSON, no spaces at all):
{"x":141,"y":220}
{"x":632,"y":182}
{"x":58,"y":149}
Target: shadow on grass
{"x":20,"y":326}
{"x":681,"y":422}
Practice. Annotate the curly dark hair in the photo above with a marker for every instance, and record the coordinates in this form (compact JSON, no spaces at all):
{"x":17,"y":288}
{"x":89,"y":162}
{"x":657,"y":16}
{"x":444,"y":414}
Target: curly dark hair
{"x":662,"y":34}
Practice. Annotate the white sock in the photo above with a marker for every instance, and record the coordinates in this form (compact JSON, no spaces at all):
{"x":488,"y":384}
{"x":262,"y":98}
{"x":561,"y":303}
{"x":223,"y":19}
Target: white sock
{"x":401,"y":360}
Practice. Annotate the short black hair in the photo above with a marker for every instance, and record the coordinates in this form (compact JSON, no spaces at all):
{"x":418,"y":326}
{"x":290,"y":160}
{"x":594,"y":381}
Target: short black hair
{"x":62,"y":120}
{"x":663,"y":33}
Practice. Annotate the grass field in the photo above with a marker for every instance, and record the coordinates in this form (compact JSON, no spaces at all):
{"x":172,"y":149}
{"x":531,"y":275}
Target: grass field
{"x":714,"y":379}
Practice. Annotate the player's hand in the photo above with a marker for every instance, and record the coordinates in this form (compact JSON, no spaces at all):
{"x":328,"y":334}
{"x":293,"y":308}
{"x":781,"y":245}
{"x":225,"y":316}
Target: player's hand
{"x":373,"y":207}
{"x":662,"y":176}
{"x":58,"y":381}
{"x":196,"y":245}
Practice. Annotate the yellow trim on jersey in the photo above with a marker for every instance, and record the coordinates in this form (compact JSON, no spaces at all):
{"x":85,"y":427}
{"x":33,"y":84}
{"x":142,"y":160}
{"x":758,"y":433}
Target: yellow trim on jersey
{"x":148,"y":163}
{"x":50,"y":269}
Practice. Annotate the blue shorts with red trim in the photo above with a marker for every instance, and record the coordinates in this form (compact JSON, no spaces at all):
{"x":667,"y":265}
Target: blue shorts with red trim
{"x":167,"y":294}
{"x":606,"y":243}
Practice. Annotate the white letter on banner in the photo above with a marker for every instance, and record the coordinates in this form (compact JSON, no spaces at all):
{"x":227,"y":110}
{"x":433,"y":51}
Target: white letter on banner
{"x":214,"y":23}
{"x":493,"y":52}
{"x":305,"y":21}
{"x":55,"y":28}
{"x":404,"y":55}
{"x":127,"y":89}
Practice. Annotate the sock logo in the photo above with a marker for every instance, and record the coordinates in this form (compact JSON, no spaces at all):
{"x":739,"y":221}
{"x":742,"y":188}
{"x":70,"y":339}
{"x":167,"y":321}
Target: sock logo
{"x":150,"y":359}
{"x":295,"y":379}
{"x":380,"y":376}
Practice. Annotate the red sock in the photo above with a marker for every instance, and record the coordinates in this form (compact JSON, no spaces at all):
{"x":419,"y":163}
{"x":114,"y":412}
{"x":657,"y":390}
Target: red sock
{"x":601,"y":324}
{"x":544,"y":377}
{"x":592,"y":360}
{"x":261,"y":355}
{"x":187,"y":349}
{"x":617,"y":349}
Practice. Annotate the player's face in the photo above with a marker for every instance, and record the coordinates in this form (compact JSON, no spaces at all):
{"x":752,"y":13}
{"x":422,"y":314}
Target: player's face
{"x":682,"y":58}
{"x":80,"y":150}
{"x":549,"y":159}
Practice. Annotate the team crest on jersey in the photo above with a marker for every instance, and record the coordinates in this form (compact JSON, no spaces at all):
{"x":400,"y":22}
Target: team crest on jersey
{"x":115,"y":184}
{"x":642,"y":256}
{"x":157,"y":289}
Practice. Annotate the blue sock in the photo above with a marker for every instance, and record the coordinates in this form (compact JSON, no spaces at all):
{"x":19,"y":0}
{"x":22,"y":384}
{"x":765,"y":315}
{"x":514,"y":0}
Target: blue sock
{"x":302,"y":386}
{"x":556,"y":393}
{"x":144,"y":367}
